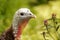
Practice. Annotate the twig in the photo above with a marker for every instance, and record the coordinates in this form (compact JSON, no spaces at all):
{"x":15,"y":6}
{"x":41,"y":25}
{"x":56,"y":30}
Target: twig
{"x":44,"y":35}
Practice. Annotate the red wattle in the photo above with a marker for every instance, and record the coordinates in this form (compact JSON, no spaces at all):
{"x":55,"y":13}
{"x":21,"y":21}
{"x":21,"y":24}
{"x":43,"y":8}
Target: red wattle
{"x":20,"y":27}
{"x":19,"y":31}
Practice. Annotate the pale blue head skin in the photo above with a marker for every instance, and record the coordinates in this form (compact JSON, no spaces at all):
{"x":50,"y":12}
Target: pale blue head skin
{"x":20,"y":15}
{"x":26,"y":13}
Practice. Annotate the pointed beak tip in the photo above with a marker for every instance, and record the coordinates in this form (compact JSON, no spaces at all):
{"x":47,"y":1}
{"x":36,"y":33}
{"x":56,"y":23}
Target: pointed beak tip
{"x":33,"y":16}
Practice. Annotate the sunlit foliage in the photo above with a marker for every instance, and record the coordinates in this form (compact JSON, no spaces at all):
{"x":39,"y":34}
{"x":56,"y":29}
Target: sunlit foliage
{"x":35,"y":29}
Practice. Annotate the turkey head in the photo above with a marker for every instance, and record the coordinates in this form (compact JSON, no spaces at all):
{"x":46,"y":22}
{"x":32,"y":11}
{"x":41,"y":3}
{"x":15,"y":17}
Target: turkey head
{"x":21,"y":18}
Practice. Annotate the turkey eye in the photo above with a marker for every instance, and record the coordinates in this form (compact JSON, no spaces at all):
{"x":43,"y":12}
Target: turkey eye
{"x":21,"y":14}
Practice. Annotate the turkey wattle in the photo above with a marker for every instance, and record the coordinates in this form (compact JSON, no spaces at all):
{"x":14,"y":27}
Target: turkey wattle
{"x":20,"y":19}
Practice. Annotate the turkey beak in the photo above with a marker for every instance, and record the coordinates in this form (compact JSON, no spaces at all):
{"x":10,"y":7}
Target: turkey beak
{"x":33,"y":16}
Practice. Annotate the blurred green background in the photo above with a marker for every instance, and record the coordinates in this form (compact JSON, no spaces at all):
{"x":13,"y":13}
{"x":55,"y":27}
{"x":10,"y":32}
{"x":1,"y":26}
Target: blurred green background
{"x":41,"y":8}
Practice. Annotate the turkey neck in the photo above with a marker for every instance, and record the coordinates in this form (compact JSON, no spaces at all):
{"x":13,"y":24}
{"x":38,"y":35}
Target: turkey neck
{"x":21,"y":25}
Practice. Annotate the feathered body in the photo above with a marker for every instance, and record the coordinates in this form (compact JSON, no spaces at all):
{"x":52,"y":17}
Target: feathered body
{"x":7,"y":35}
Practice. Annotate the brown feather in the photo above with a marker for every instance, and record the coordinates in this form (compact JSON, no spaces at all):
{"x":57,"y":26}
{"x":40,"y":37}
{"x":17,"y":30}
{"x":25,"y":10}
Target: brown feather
{"x":7,"y":35}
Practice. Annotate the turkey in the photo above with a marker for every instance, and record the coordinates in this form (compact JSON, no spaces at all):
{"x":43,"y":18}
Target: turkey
{"x":20,"y":19}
